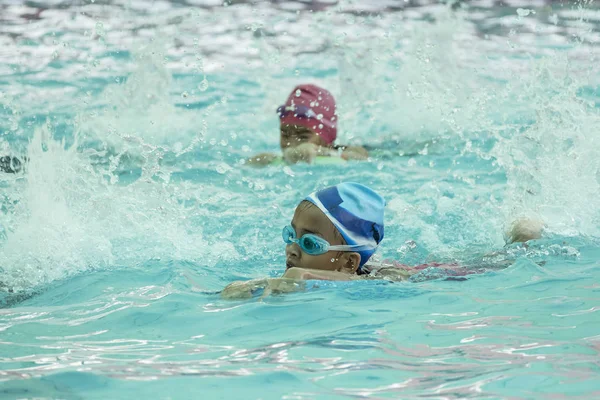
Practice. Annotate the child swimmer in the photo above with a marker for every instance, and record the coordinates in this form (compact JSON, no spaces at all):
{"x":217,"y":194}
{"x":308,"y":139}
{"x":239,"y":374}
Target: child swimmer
{"x":333,"y":234}
{"x":308,"y":129}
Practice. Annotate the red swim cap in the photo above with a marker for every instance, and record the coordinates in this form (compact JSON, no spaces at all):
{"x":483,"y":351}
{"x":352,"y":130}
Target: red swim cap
{"x":316,"y":111}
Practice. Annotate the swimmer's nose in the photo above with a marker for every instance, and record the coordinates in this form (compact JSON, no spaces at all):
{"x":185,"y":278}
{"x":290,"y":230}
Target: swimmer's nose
{"x":292,"y":251}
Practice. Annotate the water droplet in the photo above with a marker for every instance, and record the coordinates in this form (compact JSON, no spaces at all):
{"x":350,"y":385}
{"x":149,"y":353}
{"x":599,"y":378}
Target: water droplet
{"x":100,"y":29}
{"x":320,"y":117}
{"x":379,"y":166}
{"x":412,"y":162}
{"x":298,"y":92}
{"x":184,"y":95}
{"x":320,"y":126}
{"x":288,"y":171}
{"x":523,"y":12}
{"x":223,"y":168}
{"x":203,"y":85}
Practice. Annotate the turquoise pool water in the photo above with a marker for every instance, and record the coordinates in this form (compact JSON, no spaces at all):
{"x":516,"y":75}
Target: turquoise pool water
{"x":135,"y":208}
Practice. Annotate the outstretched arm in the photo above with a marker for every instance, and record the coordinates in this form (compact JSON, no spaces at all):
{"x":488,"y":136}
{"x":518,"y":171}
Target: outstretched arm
{"x":262,"y":159}
{"x":291,"y":281}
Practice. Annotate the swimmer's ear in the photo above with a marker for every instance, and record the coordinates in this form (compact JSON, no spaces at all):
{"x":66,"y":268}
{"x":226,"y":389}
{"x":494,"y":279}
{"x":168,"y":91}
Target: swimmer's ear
{"x":351,"y":262}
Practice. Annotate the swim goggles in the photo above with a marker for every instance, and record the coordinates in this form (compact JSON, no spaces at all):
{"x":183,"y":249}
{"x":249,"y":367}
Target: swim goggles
{"x":302,"y":111}
{"x":315,"y":245}
{"x":297,"y":110}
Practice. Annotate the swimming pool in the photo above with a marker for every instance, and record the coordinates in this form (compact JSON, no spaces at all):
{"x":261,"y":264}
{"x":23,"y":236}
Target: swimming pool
{"x":135,"y":208}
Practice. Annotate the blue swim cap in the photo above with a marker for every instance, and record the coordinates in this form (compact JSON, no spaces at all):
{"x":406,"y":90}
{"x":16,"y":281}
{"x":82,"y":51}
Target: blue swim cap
{"x":357,"y":213}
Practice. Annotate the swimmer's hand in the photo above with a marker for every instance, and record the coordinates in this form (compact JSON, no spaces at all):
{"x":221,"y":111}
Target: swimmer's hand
{"x":305,"y":152}
{"x":262,"y":159}
{"x":523,"y":230}
{"x":355,"y":153}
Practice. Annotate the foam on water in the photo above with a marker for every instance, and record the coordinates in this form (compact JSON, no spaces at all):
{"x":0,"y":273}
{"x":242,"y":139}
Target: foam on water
{"x":67,"y":216}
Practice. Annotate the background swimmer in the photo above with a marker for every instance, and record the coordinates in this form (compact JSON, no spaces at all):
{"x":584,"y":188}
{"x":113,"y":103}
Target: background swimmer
{"x":308,"y":128}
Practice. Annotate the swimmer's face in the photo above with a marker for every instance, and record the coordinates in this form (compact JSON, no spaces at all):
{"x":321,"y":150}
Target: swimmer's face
{"x":294,"y":135}
{"x":309,"y":219}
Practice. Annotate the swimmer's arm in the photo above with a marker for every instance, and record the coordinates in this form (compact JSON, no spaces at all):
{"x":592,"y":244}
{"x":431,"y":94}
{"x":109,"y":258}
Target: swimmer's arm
{"x":393,"y":274}
{"x":261,"y":159}
{"x":291,"y":281}
{"x":521,"y":231}
{"x":305,"y":152}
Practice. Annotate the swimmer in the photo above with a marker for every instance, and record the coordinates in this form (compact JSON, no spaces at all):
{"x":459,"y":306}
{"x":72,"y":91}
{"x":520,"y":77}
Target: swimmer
{"x":332,"y":236}
{"x":308,"y":128}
